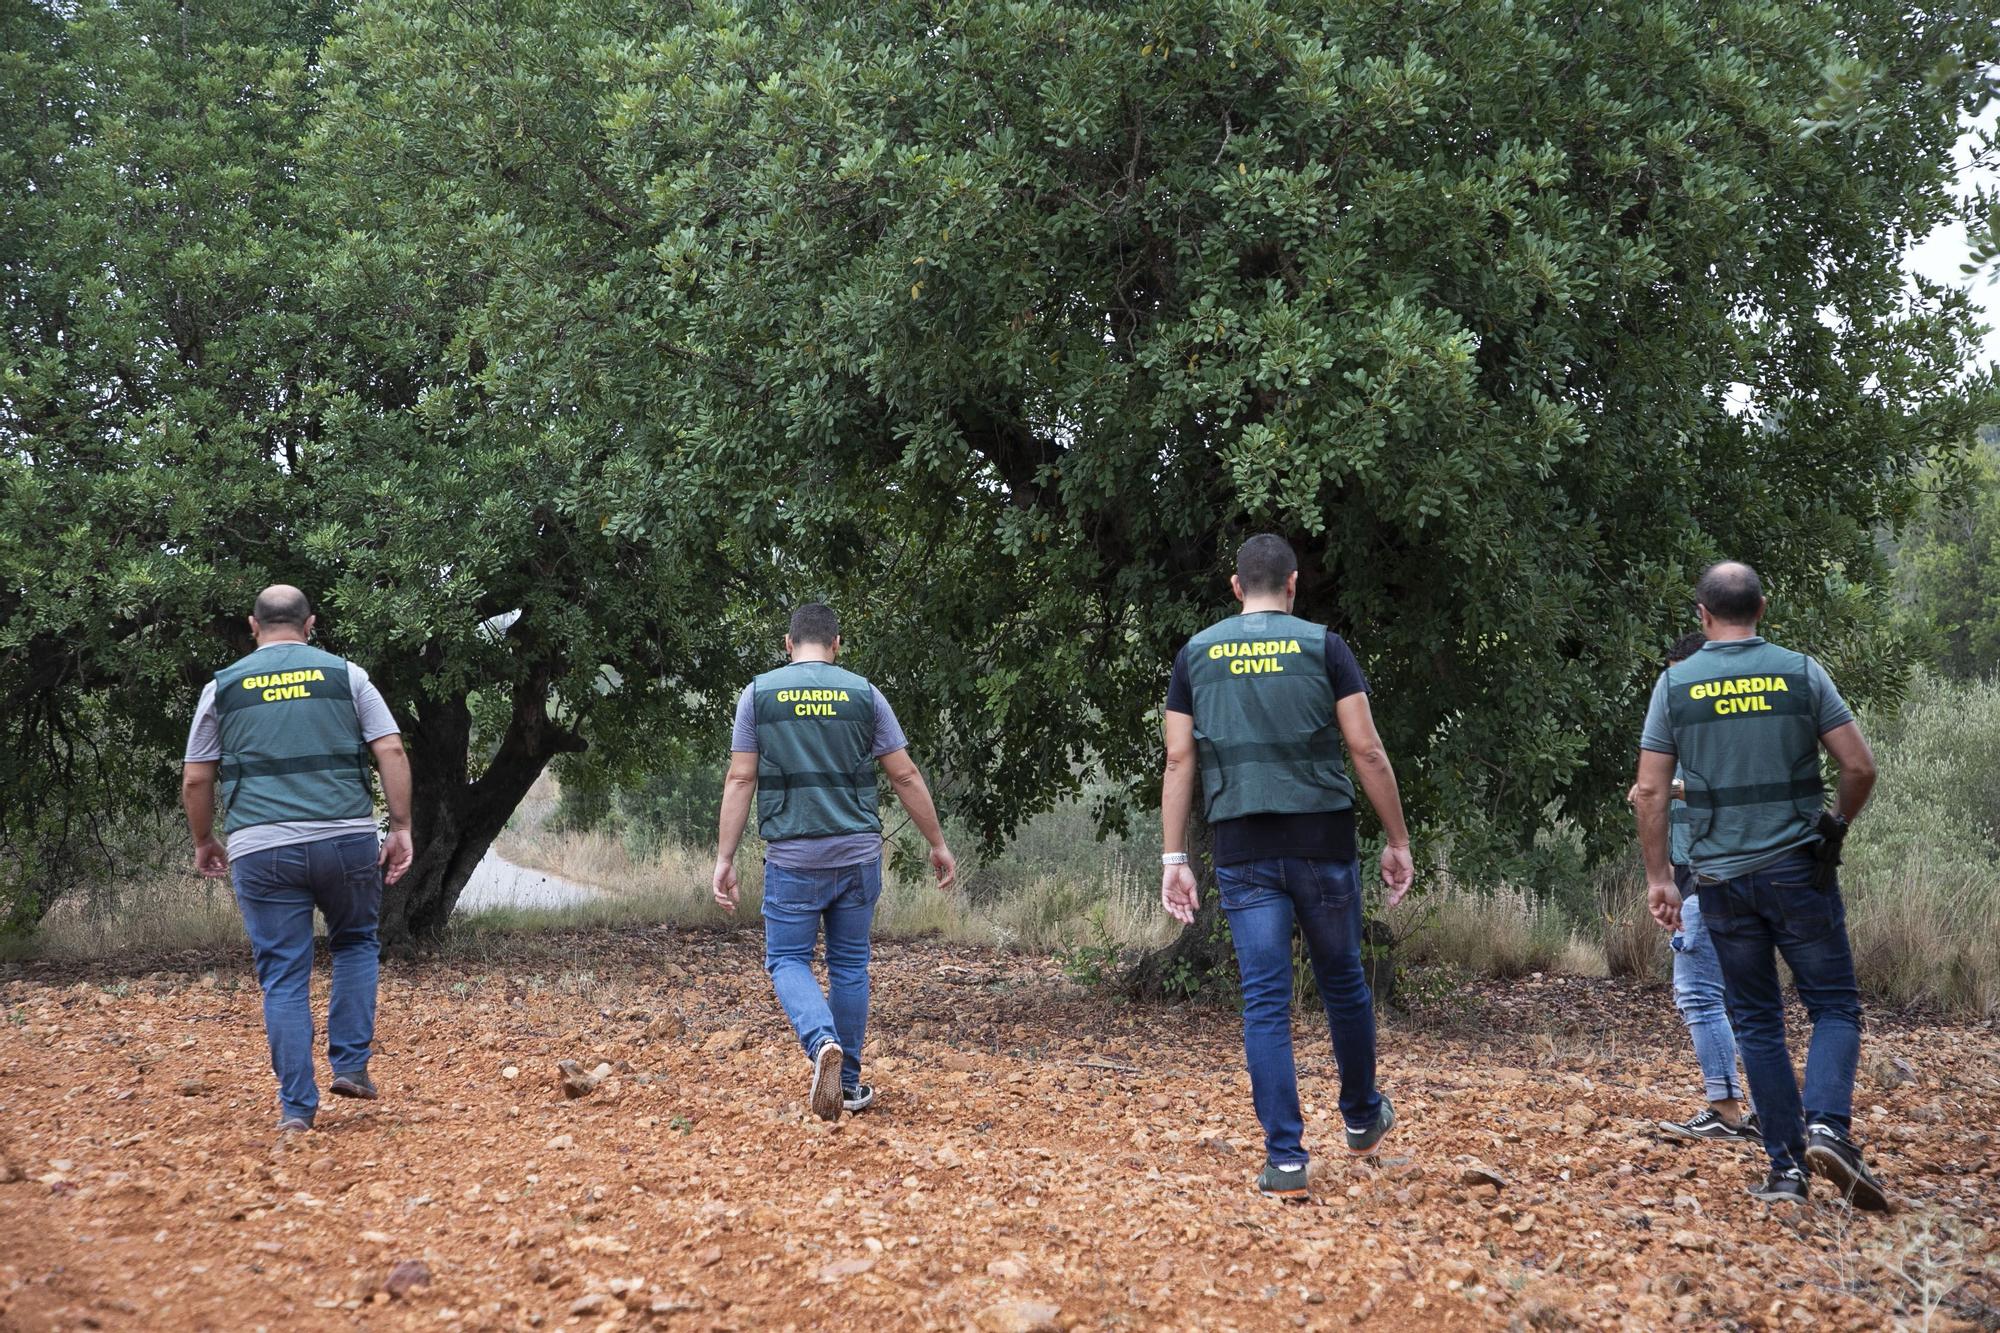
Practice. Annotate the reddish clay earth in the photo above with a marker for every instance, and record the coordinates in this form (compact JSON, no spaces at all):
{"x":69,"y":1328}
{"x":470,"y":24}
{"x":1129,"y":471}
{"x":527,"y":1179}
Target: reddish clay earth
{"x":1042,"y":1155}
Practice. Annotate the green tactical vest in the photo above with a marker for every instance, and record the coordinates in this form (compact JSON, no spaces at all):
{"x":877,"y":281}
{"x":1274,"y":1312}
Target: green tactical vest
{"x":1746,"y":732}
{"x":291,"y":744}
{"x":1264,"y":725}
{"x":815,"y":752}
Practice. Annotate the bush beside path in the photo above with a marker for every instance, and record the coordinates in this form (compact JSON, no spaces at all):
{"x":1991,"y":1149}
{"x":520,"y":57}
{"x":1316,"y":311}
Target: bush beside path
{"x":1041,"y":1155}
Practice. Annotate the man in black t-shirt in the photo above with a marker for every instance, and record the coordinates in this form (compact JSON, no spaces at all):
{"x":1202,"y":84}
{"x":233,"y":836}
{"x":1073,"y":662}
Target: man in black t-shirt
{"x":1262,"y":703}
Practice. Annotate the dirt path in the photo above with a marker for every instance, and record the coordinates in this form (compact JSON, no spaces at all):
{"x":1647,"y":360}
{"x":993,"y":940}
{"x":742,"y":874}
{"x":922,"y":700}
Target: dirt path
{"x":1034,"y":1143}
{"x":498,"y":882}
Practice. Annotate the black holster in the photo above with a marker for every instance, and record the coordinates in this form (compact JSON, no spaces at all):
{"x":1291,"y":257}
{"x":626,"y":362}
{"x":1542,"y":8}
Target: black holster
{"x":1826,"y":856}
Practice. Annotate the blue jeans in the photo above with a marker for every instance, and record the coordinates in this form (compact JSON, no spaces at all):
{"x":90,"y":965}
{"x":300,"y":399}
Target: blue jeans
{"x":277,"y":891}
{"x":1698,"y":995}
{"x":1778,"y":909}
{"x":1263,"y":900}
{"x":796,"y":904}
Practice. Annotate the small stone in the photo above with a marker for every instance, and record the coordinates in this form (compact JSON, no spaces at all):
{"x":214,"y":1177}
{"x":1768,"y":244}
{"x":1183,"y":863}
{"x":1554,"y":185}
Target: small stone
{"x":666,"y":1027}
{"x":377,"y":1238}
{"x":561,"y":1143}
{"x":191,"y":1087}
{"x":1478,"y":1173}
{"x":1011,"y":1269}
{"x":844,"y":1268}
{"x":1692,"y":1240}
{"x":405,"y":1277}
{"x":576,"y":1081}
{"x":725,"y":1041}
{"x":1019,"y":1317}
{"x":511,"y":1072}
{"x":1580,"y":1115}
{"x":590,"y":1304}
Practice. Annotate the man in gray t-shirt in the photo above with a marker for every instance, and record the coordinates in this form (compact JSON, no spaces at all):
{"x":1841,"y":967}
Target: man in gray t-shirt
{"x":808,"y":737}
{"x":288,"y":733}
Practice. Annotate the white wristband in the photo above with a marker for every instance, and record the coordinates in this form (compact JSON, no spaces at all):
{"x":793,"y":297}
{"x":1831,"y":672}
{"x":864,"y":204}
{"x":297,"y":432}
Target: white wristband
{"x":1173,"y":858}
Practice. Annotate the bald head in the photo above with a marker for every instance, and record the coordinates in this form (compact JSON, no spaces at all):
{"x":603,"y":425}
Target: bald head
{"x":1731,"y":593}
{"x":282,"y":612}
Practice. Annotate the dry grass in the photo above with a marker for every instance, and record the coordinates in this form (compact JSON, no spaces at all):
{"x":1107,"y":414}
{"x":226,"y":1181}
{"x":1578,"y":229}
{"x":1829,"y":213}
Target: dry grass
{"x":1502,"y":932}
{"x":671,"y":884}
{"x":163,"y":912}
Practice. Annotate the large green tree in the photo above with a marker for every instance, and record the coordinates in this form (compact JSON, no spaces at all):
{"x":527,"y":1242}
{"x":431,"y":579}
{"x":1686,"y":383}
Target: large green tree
{"x":228,"y":364}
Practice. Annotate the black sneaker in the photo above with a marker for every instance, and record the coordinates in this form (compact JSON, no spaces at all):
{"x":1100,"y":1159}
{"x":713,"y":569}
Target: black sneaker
{"x":1785,"y":1184}
{"x":1832,"y":1154}
{"x":857,"y":1099}
{"x":357,"y":1084}
{"x":826,"y":1081}
{"x":1713,"y":1128}
{"x":1363,"y":1141}
{"x":1284,"y":1182}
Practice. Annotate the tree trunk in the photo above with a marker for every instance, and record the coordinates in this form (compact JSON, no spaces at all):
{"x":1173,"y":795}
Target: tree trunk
{"x":1200,"y":961}
{"x":453,"y":820}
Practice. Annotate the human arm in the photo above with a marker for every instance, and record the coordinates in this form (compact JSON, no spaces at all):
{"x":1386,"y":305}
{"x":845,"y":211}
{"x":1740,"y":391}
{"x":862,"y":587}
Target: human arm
{"x":1650,"y":794}
{"x":739,"y":786}
{"x":198,"y":799}
{"x":1857,"y":768}
{"x":394,"y":765}
{"x":1179,"y":893}
{"x":1378,"y":780}
{"x":915,"y":795}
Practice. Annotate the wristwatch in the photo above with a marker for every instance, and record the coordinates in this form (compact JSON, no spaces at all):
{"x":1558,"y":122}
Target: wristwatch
{"x":1173,"y":858}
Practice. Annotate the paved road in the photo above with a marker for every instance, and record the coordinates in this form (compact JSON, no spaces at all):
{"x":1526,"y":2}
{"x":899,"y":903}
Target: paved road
{"x":498,"y":882}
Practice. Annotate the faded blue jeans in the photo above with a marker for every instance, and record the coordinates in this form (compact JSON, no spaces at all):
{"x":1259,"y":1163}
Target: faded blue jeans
{"x":1698,"y":995}
{"x":797,"y":904}
{"x":277,"y":891}
{"x":1263,"y":901}
{"x":1772,"y":911}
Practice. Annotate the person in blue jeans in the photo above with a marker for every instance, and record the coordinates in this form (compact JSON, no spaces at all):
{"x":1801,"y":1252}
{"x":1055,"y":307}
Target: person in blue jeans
{"x":1261,"y":703}
{"x":288,"y":733}
{"x":1744,"y":720}
{"x":1698,"y":992}
{"x":807,"y":739}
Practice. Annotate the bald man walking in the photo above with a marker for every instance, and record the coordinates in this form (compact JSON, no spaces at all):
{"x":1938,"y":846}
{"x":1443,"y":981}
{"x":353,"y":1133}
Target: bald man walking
{"x":289,"y":730}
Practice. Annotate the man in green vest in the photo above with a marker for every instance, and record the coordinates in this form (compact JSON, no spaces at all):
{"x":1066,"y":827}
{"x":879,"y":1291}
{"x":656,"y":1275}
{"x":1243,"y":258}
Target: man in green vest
{"x":290,"y":732}
{"x":1744,"y":720}
{"x":806,"y":742}
{"x":1261,"y":703}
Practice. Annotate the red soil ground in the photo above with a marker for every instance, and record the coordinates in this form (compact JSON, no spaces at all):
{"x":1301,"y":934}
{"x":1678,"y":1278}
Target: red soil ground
{"x":1040,"y":1152}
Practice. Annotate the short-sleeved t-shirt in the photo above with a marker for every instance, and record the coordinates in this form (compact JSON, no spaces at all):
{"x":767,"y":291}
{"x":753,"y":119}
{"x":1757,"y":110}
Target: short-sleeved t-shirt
{"x":1830,"y":711}
{"x":204,"y":746}
{"x":844,"y":849}
{"x":1321,"y":836}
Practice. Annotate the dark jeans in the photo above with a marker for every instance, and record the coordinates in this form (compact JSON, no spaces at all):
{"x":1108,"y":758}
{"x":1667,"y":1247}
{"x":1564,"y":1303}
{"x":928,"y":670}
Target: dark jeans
{"x":277,"y":891}
{"x":1773,"y":911}
{"x":1263,"y":900}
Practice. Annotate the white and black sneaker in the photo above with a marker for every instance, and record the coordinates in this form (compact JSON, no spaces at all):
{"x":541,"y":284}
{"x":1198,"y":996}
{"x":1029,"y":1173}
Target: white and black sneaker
{"x":858,"y":1098}
{"x":1713,"y":1128}
{"x":1785,"y":1184}
{"x":826,"y":1081}
{"x":1832,"y":1154}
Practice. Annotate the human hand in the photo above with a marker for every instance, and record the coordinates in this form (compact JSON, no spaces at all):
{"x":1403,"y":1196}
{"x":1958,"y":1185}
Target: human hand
{"x":1398,"y":873}
{"x":1178,"y":893}
{"x":724,"y":883}
{"x":397,"y":852}
{"x":211,"y":861}
{"x":1663,"y":900}
{"x":945,"y":866}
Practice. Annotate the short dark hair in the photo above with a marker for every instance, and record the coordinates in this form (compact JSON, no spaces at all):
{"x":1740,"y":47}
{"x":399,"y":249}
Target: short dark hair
{"x":815,"y":622}
{"x":1265,"y":562}
{"x":281,"y":605}
{"x":1686,"y":646}
{"x":1731,"y":591}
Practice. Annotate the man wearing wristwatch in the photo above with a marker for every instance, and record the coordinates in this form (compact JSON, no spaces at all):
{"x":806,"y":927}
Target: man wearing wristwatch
{"x":1261,"y":703}
{"x":1744,"y":720}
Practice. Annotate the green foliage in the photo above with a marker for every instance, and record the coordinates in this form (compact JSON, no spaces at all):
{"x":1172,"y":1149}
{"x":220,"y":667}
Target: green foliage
{"x":1949,"y":565}
{"x":558,"y":346}
{"x":1456,"y":298}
